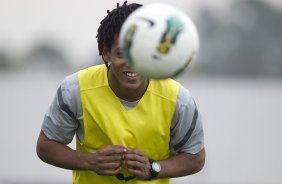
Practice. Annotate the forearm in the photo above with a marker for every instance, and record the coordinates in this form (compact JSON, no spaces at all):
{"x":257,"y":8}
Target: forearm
{"x":60,"y":155}
{"x":182,"y":164}
{"x":105,"y":161}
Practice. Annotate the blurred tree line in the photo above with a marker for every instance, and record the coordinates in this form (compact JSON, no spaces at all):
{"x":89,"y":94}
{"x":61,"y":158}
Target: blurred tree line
{"x":245,"y":41}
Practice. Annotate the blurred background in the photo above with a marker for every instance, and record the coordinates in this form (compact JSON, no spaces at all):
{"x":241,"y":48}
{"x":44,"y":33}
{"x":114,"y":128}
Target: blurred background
{"x":236,"y":82}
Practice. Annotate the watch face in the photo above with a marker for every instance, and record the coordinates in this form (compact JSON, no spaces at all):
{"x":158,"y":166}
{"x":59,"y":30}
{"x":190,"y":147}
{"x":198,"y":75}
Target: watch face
{"x":156,"y":167}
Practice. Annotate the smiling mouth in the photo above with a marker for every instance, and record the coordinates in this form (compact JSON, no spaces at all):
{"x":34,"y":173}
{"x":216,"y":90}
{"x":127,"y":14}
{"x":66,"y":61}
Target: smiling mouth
{"x":130,"y":74}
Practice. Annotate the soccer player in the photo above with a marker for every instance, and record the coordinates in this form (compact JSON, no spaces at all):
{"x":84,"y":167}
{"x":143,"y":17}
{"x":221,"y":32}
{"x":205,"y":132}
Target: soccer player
{"x":128,"y":129}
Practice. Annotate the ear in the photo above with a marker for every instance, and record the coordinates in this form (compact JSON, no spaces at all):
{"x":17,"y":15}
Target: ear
{"x":106,"y":55}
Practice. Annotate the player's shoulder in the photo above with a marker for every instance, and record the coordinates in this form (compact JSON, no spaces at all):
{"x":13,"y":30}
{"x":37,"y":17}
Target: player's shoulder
{"x":164,"y":88}
{"x":68,"y":94}
{"x":70,"y":81}
{"x":184,"y":96}
{"x":166,"y":84}
{"x":92,"y":72}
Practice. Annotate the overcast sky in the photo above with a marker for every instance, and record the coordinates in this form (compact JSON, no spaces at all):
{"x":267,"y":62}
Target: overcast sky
{"x":71,"y":23}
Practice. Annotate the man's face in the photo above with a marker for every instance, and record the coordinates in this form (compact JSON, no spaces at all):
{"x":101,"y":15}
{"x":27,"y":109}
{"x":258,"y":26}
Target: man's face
{"x":119,"y":73}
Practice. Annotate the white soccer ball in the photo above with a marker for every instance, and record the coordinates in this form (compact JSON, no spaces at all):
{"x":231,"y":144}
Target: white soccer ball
{"x":158,"y":41}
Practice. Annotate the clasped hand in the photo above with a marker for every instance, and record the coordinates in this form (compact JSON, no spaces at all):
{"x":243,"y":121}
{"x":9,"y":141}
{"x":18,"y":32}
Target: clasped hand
{"x":109,"y":160}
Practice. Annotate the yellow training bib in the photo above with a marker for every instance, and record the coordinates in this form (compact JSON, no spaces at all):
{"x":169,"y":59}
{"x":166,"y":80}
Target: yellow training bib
{"x":106,"y":122}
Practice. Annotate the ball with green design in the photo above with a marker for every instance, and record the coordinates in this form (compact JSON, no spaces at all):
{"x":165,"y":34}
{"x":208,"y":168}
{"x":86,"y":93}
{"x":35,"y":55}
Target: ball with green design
{"x":159,"y":44}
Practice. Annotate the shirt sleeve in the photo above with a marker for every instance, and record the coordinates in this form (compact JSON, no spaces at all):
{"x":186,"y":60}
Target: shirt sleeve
{"x":61,"y":119}
{"x":187,"y":133}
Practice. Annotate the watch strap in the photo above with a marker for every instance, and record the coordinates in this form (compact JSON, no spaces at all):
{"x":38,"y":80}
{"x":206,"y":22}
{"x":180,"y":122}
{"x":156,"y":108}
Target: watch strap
{"x":153,"y":174}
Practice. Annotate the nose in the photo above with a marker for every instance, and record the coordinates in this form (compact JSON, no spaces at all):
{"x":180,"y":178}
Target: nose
{"x":127,"y":58}
{"x":124,"y":61}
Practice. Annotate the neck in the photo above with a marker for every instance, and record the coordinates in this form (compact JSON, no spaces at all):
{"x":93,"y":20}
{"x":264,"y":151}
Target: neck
{"x":127,"y":93}
{"x":130,"y":96}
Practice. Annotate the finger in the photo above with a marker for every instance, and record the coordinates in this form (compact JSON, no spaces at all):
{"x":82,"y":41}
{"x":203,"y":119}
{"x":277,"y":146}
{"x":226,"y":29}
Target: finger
{"x":134,"y":165}
{"x":135,"y":157}
{"x":135,"y":171}
{"x":112,"y":150}
{"x":111,"y":158}
{"x":109,"y":172}
{"x":110,"y":166}
{"x":135,"y":151}
{"x":138,"y":169}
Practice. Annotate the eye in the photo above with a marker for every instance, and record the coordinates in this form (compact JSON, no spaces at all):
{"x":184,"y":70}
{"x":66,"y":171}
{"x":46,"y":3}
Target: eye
{"x":119,"y":53}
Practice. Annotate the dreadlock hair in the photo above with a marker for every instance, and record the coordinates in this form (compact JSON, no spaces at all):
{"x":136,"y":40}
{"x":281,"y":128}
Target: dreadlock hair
{"x":111,"y":25}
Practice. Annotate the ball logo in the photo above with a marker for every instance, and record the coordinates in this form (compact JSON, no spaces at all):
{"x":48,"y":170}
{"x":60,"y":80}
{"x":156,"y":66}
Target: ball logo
{"x":174,"y":26}
{"x":151,"y":23}
{"x":128,"y":43}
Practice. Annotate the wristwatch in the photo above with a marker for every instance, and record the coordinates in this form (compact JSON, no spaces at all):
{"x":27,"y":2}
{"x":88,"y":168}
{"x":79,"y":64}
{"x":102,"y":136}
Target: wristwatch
{"x":155,"y":169}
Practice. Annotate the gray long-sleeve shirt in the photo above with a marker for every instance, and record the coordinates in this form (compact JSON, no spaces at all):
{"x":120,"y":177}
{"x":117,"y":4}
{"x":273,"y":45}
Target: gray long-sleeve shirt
{"x":64,"y":118}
